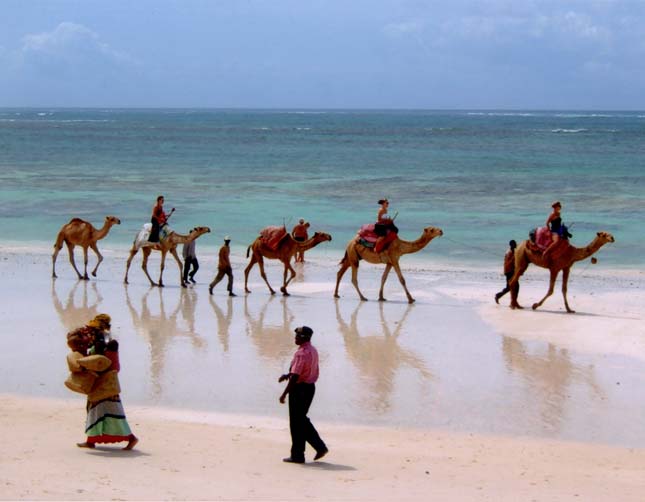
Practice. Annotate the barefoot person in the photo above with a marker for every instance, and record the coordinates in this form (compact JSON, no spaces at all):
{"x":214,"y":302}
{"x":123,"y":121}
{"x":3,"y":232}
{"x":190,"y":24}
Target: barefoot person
{"x":384,"y":225}
{"x":106,"y":422}
{"x":301,"y":388}
{"x":224,"y":268}
{"x":509,"y":270}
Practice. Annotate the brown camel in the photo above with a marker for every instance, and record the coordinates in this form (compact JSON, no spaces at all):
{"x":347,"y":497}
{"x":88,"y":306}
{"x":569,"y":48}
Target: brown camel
{"x":562,"y":258}
{"x":389,"y":256}
{"x":287,"y":249}
{"x":82,"y":233}
{"x":167,"y":245}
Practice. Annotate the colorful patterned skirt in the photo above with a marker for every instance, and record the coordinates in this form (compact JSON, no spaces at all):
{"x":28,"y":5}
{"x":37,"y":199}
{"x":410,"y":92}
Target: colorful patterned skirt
{"x":106,"y":422}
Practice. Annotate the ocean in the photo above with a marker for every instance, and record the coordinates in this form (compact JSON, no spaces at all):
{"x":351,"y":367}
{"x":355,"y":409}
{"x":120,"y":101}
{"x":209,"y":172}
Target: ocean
{"x":484,"y":177}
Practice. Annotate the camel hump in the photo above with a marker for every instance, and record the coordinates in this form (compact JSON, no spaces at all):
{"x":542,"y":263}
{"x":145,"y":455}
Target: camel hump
{"x":272,"y":236}
{"x":76,"y":221}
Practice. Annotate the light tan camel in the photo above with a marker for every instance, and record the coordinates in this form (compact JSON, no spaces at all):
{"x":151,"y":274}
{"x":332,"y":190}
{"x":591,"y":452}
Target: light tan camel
{"x":167,"y":245}
{"x":82,"y":233}
{"x":287,"y":249}
{"x":562,"y":258}
{"x":390,"y":257}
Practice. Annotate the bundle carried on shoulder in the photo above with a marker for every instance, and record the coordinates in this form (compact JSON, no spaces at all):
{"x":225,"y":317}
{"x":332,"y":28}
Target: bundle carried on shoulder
{"x":87,"y":373}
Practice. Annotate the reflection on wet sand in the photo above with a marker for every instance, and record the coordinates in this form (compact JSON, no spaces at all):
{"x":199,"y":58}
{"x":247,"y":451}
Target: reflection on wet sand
{"x":378,"y":357}
{"x":159,"y":329}
{"x":273,"y":340}
{"x":223,"y":320}
{"x":550,"y":375}
{"x":70,"y":313}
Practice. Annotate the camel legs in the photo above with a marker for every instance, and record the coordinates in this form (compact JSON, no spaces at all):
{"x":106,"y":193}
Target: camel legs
{"x":54,"y":256}
{"x":144,"y":265}
{"x":554,"y":275}
{"x":397,"y":269}
{"x":99,"y":256}
{"x":355,"y":282}
{"x":344,"y":265}
{"x":287,"y":269}
{"x":565,"y":283}
{"x":173,"y":252}
{"x":260,"y":262}
{"x":70,"y":251}
{"x":133,"y":252}
{"x":386,"y":272}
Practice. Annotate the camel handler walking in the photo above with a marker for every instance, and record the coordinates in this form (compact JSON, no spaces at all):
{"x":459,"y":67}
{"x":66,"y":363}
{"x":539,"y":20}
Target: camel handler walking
{"x":224,"y":268}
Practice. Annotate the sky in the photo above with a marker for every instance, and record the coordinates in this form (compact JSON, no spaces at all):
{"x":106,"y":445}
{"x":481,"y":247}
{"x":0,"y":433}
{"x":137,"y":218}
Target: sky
{"x":375,"y":54}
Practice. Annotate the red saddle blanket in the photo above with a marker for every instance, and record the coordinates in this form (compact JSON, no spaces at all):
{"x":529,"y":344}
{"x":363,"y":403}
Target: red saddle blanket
{"x":272,"y":235}
{"x":543,"y":237}
{"x":366,"y":233}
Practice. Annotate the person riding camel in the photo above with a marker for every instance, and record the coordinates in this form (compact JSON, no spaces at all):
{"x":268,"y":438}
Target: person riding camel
{"x":159,"y":219}
{"x":383,"y":226}
{"x":554,"y":222}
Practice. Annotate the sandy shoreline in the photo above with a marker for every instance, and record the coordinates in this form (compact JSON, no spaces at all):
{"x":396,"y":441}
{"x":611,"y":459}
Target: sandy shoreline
{"x":194,"y":461}
{"x":454,"y":397}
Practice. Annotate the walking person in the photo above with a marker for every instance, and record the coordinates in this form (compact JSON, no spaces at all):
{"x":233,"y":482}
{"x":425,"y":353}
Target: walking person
{"x":106,"y":421}
{"x":224,"y":268}
{"x":509,"y":270}
{"x":190,"y":260}
{"x":301,"y":387}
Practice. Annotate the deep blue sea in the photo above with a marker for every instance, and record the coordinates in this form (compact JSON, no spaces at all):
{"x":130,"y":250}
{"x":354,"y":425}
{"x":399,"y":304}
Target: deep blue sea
{"x":484,"y":177}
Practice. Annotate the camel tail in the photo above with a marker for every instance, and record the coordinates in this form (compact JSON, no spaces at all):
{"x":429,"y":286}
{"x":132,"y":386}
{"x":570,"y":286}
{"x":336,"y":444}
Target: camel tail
{"x":248,"y":251}
{"x":344,"y":260}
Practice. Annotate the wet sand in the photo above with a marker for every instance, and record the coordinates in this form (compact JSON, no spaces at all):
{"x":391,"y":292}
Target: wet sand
{"x":451,"y":369}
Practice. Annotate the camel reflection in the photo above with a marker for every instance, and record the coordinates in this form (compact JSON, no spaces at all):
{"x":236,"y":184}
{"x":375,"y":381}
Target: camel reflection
{"x":159,"y":328}
{"x":272,"y":337}
{"x":71,"y":315}
{"x":378,"y":357}
{"x":223,"y":320}
{"x":549,"y":374}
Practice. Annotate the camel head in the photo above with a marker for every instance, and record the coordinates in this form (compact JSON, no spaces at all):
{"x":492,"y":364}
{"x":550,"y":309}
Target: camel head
{"x":112,"y":220}
{"x":321,"y":237}
{"x":605,"y":237}
{"x":432,"y":232}
{"x":197,"y":231}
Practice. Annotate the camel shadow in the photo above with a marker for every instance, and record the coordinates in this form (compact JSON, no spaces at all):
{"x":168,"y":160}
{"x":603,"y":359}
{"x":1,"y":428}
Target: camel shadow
{"x":72,"y":315}
{"x":587,"y":314}
{"x":378,"y":357}
{"x":159,"y":328}
{"x":549,"y":374}
{"x":270,"y":336}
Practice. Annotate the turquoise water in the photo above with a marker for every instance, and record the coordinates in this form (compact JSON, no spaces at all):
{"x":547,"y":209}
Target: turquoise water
{"x":483,"y":177}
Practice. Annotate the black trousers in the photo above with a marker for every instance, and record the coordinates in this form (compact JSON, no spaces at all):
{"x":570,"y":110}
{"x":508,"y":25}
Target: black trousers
{"x":507,"y":288}
{"x":188,"y":263}
{"x":302,"y":430}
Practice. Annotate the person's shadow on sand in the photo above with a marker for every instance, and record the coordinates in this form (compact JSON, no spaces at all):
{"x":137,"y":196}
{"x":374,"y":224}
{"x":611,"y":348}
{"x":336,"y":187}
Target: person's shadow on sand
{"x":159,"y":328}
{"x":224,"y":320}
{"x":71,"y":315}
{"x":378,"y":357}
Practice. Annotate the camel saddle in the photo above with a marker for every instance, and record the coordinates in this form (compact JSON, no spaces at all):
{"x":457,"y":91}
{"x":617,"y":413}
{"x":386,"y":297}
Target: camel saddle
{"x":271,"y":236}
{"x":368,"y":238}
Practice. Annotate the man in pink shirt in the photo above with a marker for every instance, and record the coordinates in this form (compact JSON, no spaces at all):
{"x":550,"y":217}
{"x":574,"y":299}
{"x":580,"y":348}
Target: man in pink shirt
{"x":301,"y":388}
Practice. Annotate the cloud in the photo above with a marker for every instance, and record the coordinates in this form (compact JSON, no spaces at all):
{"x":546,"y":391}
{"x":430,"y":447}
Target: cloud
{"x":70,"y":47}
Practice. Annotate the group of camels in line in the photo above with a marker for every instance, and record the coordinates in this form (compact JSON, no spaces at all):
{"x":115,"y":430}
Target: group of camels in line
{"x":81,"y":233}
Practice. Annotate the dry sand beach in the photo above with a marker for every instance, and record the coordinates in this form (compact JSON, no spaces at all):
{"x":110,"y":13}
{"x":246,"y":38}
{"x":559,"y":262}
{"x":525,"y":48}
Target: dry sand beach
{"x":452,"y":398}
